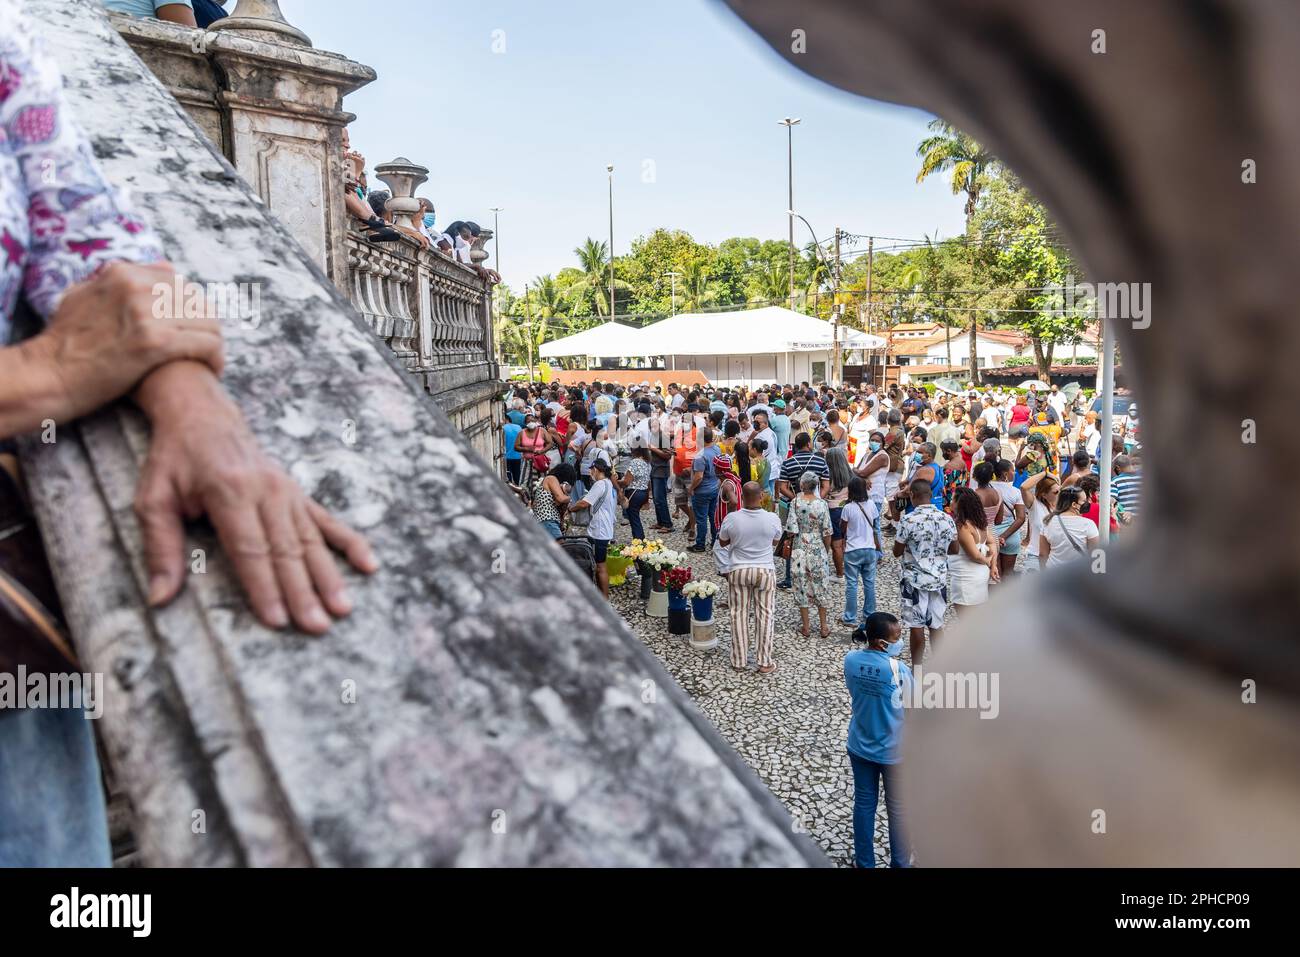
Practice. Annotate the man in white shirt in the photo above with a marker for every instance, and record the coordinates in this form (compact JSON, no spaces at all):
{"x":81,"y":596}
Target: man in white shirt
{"x":763,"y":430}
{"x":749,"y":536}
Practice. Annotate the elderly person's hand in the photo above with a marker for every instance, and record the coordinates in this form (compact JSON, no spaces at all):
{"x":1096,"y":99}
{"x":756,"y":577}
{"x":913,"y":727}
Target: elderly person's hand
{"x":106,"y":335}
{"x":203,"y":460}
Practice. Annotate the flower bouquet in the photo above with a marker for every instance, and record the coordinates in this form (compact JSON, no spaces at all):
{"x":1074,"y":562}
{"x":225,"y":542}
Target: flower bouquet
{"x":701,"y":594}
{"x":616,"y":562}
{"x":637,"y":550}
{"x":675,"y":579}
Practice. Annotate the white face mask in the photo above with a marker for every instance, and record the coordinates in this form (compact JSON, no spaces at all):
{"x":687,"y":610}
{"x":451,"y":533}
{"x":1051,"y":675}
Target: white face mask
{"x":530,"y":426}
{"x":895,"y":649}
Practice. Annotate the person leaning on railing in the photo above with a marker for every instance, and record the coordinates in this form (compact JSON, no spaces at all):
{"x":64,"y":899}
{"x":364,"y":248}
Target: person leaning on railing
{"x":79,"y":266}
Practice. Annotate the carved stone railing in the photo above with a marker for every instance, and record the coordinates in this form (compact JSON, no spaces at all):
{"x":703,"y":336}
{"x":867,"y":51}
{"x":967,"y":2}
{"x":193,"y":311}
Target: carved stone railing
{"x":500,"y":711}
{"x":381,"y":284}
{"x":273,"y":106}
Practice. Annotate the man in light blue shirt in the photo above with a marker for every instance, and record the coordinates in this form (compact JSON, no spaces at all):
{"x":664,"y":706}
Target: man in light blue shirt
{"x":176,"y":11}
{"x":877,"y":683}
{"x":704,"y":491}
{"x":780,"y":425}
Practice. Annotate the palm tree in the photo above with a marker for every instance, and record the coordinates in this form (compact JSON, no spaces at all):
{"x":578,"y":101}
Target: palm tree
{"x":773,"y":280}
{"x":547,"y":296}
{"x":514,"y":333}
{"x":696,"y":291}
{"x":593,"y":259}
{"x":951,"y":151}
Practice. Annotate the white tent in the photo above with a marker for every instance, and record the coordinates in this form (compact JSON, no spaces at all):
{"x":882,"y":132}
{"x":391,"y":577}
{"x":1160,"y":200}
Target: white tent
{"x":750,"y":346}
{"x":606,"y":339}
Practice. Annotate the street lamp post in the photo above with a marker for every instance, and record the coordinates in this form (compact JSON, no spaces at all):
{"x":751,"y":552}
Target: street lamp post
{"x":496,"y":250}
{"x":673,"y":276}
{"x":610,"y":170}
{"x":789,"y":125}
{"x":496,"y":233}
{"x":835,"y":288}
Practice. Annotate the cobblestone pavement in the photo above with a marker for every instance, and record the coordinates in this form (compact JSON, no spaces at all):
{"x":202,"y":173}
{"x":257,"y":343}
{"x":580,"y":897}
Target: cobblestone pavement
{"x":790,"y":726}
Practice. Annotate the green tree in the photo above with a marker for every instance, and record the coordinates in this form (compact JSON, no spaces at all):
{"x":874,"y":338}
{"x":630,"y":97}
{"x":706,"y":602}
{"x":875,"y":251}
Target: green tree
{"x":696,"y":290}
{"x":967,"y":164}
{"x":1019,"y":253}
{"x":593,"y":261}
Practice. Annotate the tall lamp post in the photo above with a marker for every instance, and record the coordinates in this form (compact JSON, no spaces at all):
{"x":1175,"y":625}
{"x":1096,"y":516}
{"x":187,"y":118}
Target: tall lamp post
{"x":835,"y":289}
{"x":496,"y":233}
{"x":673,"y":276}
{"x":496,"y":251}
{"x":789,"y":125}
{"x":610,"y":170}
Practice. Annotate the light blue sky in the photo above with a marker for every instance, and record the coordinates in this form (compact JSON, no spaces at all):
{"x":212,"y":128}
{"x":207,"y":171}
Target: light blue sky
{"x":582,"y":83}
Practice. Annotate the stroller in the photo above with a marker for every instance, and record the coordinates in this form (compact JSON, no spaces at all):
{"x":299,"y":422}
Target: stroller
{"x":579,"y":548}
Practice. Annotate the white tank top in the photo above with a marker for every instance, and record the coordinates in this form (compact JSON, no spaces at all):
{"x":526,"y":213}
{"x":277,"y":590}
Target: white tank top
{"x":881,"y":482}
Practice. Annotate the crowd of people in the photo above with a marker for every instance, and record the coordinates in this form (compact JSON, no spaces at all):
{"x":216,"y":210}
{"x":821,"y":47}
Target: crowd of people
{"x":966,"y":489}
{"x":374,"y":213}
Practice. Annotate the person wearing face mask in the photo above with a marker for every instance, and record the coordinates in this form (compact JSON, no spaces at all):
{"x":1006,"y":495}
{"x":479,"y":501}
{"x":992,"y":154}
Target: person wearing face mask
{"x":876,"y":469}
{"x":925,"y":468}
{"x":1067,"y":536}
{"x":532,"y":444}
{"x":427,"y":221}
{"x":877,"y":682}
{"x":514,"y":458}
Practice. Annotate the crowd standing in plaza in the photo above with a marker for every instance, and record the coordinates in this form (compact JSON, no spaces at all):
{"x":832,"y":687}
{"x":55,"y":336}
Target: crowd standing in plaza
{"x":966,"y":489}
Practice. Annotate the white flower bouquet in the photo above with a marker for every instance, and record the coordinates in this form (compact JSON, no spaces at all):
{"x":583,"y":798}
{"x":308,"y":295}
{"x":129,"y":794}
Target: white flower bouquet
{"x":700,"y":589}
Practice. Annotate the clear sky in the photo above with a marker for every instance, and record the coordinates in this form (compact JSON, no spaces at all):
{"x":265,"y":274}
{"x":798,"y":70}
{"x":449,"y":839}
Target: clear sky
{"x":521,"y":104}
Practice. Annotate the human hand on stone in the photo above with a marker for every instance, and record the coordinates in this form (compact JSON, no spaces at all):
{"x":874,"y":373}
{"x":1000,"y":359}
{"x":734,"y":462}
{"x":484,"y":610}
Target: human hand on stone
{"x":203,"y":460}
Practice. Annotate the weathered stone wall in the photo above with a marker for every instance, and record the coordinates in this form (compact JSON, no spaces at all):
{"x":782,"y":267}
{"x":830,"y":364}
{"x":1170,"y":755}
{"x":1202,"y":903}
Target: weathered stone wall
{"x":273,"y":107}
{"x":503,"y":714}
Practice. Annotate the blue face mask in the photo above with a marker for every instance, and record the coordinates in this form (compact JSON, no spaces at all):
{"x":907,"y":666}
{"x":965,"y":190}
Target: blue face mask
{"x":874,"y":446}
{"x":917,"y":457}
{"x":895,"y":649}
{"x":428,"y":220}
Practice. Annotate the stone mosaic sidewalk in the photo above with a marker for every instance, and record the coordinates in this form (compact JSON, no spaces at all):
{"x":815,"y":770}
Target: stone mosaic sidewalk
{"x":790,"y":726}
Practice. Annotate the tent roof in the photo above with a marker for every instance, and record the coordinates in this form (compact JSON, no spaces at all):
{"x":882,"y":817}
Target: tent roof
{"x":772,"y":329}
{"x":606,"y":339}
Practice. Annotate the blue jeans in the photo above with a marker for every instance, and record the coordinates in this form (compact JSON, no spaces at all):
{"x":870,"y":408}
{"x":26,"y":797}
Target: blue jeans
{"x":659,"y":489}
{"x":552,"y":529}
{"x":633,"y":511}
{"x":866,"y":792}
{"x":860,"y":563}
{"x":703,"y":504}
{"x":51,"y":797}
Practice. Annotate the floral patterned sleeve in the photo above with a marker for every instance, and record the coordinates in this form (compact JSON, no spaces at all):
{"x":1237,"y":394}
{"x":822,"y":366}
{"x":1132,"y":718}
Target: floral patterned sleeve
{"x":60,"y":220}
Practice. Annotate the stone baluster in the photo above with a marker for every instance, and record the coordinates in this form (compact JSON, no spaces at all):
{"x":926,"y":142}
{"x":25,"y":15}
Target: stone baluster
{"x":262,"y":18}
{"x":403,"y":178}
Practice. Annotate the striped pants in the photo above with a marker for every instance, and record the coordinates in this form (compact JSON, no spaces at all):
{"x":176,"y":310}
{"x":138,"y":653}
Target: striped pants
{"x":751,"y":590}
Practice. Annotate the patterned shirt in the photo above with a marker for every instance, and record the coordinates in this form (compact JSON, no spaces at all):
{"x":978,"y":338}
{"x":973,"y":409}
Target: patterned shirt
{"x":927,"y":532}
{"x":640,"y":470}
{"x":60,"y":220}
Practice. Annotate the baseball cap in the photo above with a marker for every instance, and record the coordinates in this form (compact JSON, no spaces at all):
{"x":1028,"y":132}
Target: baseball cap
{"x":779,"y":404}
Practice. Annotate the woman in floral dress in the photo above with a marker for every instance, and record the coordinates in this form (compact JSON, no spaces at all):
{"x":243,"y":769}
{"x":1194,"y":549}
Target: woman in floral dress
{"x":810,"y":524}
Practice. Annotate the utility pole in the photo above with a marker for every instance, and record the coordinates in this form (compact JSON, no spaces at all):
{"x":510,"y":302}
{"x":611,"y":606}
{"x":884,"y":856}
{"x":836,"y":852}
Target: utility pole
{"x":528,"y":312}
{"x":610,"y":169}
{"x":789,"y":125}
{"x":871,"y":245}
{"x":835,"y":309}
